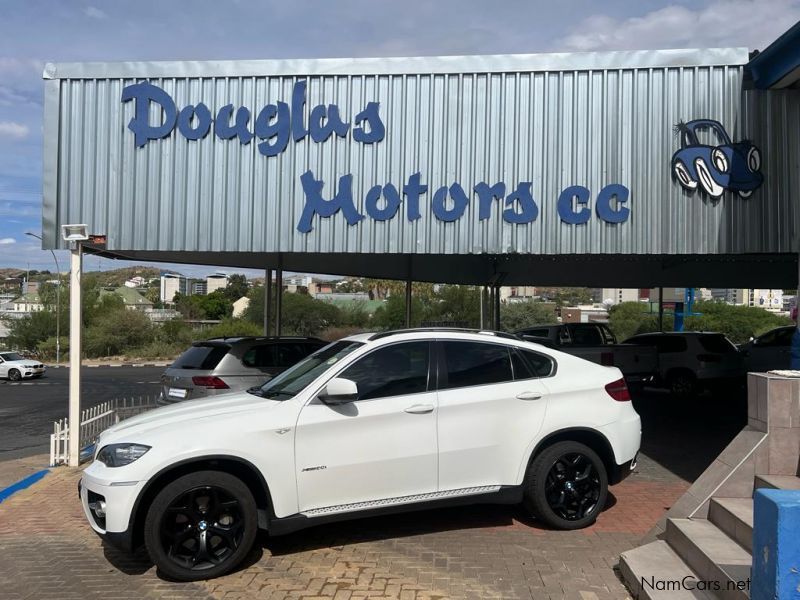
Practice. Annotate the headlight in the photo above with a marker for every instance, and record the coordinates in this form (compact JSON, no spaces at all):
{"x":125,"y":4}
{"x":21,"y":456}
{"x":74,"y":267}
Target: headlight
{"x":754,"y":159}
{"x":720,"y":160}
{"x":119,"y":455}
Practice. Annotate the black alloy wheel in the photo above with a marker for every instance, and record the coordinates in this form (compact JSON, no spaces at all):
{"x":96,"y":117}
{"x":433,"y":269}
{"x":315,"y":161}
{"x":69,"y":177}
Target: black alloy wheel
{"x":566,"y":486}
{"x":201,"y":526}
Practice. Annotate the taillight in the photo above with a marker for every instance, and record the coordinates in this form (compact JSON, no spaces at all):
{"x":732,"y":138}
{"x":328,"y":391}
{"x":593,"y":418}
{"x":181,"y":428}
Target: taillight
{"x":213,"y":383}
{"x":618,"y":391}
{"x":709,"y":357}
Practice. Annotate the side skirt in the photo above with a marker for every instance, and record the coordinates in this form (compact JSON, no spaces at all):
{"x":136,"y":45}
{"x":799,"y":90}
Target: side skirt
{"x":281,"y":526}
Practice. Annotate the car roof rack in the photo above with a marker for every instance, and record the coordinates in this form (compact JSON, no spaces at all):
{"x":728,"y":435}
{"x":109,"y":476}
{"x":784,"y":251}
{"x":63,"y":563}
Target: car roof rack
{"x":488,"y":332}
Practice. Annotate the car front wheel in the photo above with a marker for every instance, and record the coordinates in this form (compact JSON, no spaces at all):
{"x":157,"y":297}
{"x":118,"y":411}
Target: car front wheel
{"x":14,"y":375}
{"x":201,"y":526}
{"x":566,"y":486}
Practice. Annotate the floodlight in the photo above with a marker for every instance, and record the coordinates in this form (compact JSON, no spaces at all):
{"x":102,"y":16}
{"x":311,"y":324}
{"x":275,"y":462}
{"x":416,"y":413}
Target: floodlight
{"x":74,"y":233}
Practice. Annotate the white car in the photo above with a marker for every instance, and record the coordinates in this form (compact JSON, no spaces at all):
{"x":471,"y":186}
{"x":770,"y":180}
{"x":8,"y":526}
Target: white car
{"x":14,"y":367}
{"x":370,"y":424}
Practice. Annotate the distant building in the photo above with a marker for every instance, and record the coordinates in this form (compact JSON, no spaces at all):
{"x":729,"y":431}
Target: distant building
{"x":217,"y":281}
{"x":771,"y":300}
{"x":587,"y":313}
{"x":171,"y":284}
{"x":517,"y":293}
{"x":30,"y":287}
{"x":240,"y":306}
{"x":132,"y":299}
{"x":618,"y":295}
{"x":199,"y":287}
{"x":135,"y":282}
{"x":28,"y":303}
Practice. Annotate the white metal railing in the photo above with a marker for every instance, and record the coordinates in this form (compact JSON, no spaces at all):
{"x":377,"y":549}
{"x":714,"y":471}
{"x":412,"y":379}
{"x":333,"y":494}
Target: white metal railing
{"x":94,"y":421}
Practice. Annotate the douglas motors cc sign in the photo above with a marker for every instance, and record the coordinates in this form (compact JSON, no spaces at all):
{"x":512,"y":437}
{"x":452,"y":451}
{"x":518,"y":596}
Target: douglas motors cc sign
{"x":275,"y":125}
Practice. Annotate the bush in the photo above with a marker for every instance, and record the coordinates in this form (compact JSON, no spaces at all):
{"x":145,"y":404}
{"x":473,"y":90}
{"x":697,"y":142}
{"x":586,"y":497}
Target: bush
{"x":115,"y":331}
{"x":353,"y":314}
{"x":47,"y":348}
{"x":519,"y":315}
{"x":303,"y":315}
{"x":231,"y":328}
{"x":631,"y":318}
{"x":739,"y":323}
{"x":332,"y":334}
{"x":158,"y":350}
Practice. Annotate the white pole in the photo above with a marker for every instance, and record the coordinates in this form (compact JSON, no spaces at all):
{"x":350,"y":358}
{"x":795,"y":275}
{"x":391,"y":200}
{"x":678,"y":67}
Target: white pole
{"x":75,"y":355}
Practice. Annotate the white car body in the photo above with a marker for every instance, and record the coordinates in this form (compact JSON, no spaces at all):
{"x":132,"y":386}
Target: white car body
{"x":11,"y":362}
{"x":320,"y":462}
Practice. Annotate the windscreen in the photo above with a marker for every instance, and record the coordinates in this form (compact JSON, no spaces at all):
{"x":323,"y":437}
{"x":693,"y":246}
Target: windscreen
{"x":9,"y":356}
{"x":201,"y":357}
{"x":293,"y":380}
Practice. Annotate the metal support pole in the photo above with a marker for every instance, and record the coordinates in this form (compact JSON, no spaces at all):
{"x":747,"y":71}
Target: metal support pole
{"x":408,"y":303}
{"x":794,"y":352}
{"x":278,"y":299}
{"x":496,"y":326}
{"x":267,"y":300}
{"x":75,"y":355}
{"x":483,"y":320}
{"x":661,"y":309}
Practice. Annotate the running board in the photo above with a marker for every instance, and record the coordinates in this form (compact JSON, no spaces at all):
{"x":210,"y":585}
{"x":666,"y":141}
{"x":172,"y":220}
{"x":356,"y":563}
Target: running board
{"x":490,"y":494}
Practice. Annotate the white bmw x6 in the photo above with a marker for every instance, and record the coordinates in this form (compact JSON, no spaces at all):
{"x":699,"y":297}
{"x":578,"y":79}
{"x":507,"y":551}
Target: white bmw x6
{"x":370,"y":424}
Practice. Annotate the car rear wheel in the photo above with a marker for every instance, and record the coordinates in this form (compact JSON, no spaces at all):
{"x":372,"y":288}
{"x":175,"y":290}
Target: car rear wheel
{"x":566,"y":486}
{"x":201,"y":526}
{"x":682,"y":173}
{"x":14,"y":375}
{"x":682,"y":385}
{"x":711,"y":187}
{"x":745,"y":193}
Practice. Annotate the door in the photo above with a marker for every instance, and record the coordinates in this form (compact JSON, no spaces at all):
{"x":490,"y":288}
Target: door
{"x":491,"y":406}
{"x":380,"y":447}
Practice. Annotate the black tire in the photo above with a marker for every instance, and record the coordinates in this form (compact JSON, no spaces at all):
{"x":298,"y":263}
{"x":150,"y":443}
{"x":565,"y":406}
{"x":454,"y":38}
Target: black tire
{"x":682,"y":385}
{"x":201,"y":526}
{"x":14,"y":375}
{"x":561,"y":497}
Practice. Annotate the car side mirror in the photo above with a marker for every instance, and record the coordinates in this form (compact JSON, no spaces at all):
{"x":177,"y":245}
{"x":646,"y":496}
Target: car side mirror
{"x":339,"y":391}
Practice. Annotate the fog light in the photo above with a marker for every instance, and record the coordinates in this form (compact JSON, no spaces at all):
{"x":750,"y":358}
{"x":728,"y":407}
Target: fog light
{"x":99,"y":508}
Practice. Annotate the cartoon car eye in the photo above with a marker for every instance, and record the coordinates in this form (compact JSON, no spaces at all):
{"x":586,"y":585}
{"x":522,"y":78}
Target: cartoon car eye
{"x":720,"y":160}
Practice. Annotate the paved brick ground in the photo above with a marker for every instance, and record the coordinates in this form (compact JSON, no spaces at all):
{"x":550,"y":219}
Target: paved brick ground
{"x":470,"y":552}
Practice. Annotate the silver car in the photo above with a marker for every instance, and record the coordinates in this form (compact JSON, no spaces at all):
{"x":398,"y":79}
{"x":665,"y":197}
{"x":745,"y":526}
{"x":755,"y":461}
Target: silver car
{"x":222,"y":365}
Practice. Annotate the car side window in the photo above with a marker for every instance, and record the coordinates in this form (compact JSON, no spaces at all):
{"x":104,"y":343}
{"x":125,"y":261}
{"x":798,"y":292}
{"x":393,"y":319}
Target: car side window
{"x":289,"y":354}
{"x":260,"y":357}
{"x":586,"y":335}
{"x":474,"y":363}
{"x":528,"y":364}
{"x":785,"y":336}
{"x":395,"y":370}
{"x":671,"y":343}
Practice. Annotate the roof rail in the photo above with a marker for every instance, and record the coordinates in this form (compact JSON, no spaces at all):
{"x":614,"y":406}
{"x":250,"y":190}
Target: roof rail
{"x":488,"y":332}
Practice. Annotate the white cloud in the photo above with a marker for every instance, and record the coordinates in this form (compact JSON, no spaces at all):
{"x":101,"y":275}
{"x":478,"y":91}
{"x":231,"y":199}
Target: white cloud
{"x":94,"y":13}
{"x":7,"y":241}
{"x":14,"y":131}
{"x":722,"y":23}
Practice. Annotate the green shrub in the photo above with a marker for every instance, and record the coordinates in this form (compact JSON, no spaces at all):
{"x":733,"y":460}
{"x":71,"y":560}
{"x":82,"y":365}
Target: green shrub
{"x":230,"y":328}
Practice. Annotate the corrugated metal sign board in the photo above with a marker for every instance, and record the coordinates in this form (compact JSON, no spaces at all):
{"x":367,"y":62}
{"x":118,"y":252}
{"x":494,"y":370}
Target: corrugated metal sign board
{"x":554,"y":120}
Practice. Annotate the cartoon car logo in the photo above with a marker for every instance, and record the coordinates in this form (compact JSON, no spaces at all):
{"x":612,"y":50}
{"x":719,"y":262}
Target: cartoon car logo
{"x":716,"y":166}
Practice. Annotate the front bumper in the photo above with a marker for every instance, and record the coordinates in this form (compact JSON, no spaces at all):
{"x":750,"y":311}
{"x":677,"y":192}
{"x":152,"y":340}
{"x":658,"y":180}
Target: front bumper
{"x":119,"y":502}
{"x":30,"y":373}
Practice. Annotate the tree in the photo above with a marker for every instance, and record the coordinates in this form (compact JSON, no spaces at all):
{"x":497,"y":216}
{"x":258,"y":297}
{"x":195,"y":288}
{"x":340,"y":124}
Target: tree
{"x":456,"y":304}
{"x":214,"y":306}
{"x":739,"y":323}
{"x":518,"y":315}
{"x":118,"y":331}
{"x":303,"y":315}
{"x":392,"y":315}
{"x":237,"y":287}
{"x":630,"y":318}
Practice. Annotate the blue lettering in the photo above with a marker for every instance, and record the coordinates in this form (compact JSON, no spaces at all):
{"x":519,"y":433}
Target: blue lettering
{"x":523,"y":197}
{"x":225,"y":131}
{"x":565,"y":209}
{"x":204,"y":121}
{"x":413,"y":190}
{"x":392,"y":197}
{"x":143,"y":94}
{"x":266,"y":129}
{"x":333,"y":123}
{"x":487,"y":195}
{"x":316,"y":204}
{"x":373,"y":119}
{"x":460,"y":202}
{"x":603,"y":205}
{"x":299,"y":130}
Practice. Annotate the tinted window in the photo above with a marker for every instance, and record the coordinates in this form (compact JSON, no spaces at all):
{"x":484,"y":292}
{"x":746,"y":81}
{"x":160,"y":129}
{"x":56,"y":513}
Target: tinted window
{"x":473,"y":363}
{"x":395,"y":370}
{"x":201,"y":357}
{"x":586,"y":336}
{"x":777,"y":337}
{"x":539,"y":364}
{"x":9,"y":356}
{"x":289,"y":354}
{"x":670,"y":343}
{"x":716,"y":343}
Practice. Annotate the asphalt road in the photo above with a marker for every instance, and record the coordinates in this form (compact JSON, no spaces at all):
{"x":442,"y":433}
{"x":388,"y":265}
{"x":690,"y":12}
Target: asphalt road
{"x":29,"y":408}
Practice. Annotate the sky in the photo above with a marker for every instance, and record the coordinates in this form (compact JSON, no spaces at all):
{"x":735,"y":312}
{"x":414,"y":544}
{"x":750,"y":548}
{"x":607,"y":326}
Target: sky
{"x":33,"y":32}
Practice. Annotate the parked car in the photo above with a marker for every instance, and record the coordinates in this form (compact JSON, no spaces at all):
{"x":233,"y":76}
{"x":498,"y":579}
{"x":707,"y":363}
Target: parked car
{"x":769,"y":351}
{"x":370,"y":424}
{"x":691,"y":361}
{"x":717,"y":166}
{"x":596,"y":342}
{"x":14,"y":366}
{"x":223,"y":365}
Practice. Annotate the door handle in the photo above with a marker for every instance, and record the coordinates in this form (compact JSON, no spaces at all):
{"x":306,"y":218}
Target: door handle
{"x":529,"y":396}
{"x":420,"y":409}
